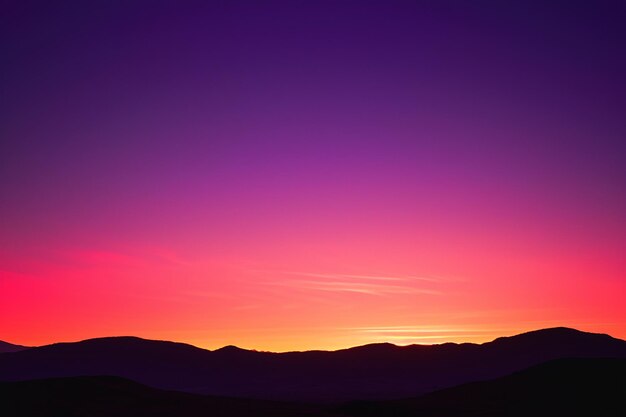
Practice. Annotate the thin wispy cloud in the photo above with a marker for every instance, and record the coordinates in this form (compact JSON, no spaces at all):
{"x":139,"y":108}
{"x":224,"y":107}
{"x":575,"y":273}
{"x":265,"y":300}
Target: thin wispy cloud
{"x":404,"y":329}
{"x":354,"y":286}
{"x":368,"y":284}
{"x":422,"y":334}
{"x":385,"y":277}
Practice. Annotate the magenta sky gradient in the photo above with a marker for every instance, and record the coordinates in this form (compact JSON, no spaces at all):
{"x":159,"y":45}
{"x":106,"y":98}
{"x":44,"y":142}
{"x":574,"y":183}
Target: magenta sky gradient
{"x":288,"y":175}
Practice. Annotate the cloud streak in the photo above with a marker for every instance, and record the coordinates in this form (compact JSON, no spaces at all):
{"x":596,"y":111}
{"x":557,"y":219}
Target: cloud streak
{"x":368,"y":277}
{"x":375,"y":285}
{"x":424,"y":334}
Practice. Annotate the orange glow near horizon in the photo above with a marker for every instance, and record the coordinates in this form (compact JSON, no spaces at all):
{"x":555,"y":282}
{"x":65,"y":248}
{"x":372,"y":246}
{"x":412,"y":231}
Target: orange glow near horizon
{"x":303,"y":305}
{"x":311,"y":175}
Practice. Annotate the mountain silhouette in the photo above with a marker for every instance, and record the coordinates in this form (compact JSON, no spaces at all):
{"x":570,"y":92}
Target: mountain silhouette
{"x":572,"y":387}
{"x":105,"y":396}
{"x":563,"y":387}
{"x":10,"y":347}
{"x":378,"y":371}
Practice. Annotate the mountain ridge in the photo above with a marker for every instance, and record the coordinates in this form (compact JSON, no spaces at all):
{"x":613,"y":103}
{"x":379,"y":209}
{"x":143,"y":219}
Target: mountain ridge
{"x":375,"y":371}
{"x":559,"y":329}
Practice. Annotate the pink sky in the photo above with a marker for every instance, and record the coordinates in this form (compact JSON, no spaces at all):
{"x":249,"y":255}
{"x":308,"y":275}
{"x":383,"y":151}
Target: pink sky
{"x":324,"y":176}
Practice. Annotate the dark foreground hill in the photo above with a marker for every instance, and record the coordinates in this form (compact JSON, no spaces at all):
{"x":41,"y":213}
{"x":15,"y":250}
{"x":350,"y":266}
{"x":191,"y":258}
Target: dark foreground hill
{"x":106,"y":396}
{"x":381,"y":371}
{"x":565,"y":387}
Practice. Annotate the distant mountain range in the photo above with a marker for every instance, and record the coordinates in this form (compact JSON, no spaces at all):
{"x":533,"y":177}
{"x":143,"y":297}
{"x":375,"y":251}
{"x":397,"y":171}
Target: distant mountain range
{"x":370,"y":372}
{"x":565,"y":387}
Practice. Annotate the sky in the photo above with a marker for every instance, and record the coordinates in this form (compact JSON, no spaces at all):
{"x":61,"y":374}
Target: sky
{"x":292,"y":175}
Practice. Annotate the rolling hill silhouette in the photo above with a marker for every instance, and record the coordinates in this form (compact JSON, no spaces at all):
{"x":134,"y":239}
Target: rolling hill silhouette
{"x":563,"y":387}
{"x":572,"y":387}
{"x":379,"y":371}
{"x":105,"y":396}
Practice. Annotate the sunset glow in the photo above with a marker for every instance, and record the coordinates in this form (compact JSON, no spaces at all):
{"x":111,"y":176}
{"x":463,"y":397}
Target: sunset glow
{"x":311,"y":177}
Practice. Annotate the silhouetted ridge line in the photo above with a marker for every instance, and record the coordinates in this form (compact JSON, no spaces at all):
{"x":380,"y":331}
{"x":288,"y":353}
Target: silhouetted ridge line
{"x":552,"y":333}
{"x":375,"y":371}
{"x":6,"y":347}
{"x":233,"y":348}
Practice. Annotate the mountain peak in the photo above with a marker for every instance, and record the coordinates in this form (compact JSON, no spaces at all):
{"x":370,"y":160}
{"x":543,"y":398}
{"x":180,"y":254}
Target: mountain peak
{"x":104,"y":345}
{"x":569,"y":342}
{"x":373,"y":347}
{"x":560,"y":330}
{"x":231,"y":349}
{"x":554,"y":333}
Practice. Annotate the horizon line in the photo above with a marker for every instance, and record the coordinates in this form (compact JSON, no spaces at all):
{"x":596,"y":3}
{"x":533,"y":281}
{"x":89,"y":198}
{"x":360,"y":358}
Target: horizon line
{"x":232,"y":346}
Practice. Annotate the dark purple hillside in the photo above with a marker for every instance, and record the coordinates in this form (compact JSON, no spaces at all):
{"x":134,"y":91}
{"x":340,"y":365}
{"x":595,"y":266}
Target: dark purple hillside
{"x":564,"y":387}
{"x":379,"y":371}
{"x":6,"y":347}
{"x":105,"y":396}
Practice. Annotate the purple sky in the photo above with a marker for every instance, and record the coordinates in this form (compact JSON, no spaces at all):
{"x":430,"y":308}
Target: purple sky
{"x":337,"y":137}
